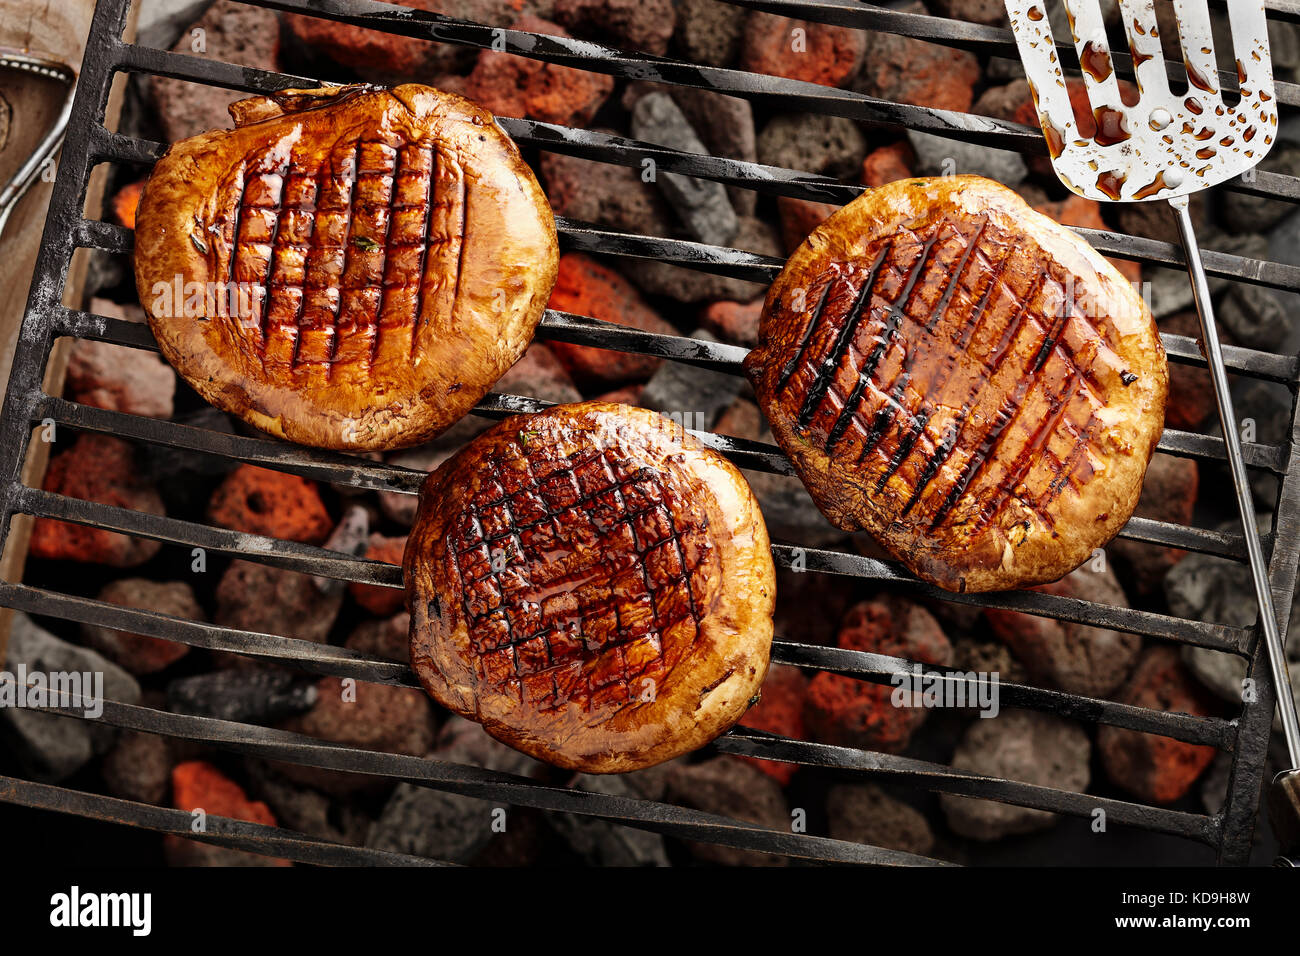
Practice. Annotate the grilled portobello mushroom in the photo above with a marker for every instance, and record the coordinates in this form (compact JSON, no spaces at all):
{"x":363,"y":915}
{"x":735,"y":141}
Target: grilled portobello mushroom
{"x":349,"y":267}
{"x":963,"y":378}
{"x":593,"y":586}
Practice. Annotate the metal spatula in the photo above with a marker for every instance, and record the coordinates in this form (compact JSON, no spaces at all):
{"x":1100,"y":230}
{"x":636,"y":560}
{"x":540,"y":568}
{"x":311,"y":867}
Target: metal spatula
{"x":1167,"y":147}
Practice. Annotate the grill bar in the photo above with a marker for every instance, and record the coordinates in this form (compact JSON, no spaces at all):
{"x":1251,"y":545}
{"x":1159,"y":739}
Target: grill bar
{"x":327,"y":660}
{"x":1245,"y":737}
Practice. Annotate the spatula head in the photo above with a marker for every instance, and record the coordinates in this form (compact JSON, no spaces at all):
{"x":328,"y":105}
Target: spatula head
{"x":1166,"y":145}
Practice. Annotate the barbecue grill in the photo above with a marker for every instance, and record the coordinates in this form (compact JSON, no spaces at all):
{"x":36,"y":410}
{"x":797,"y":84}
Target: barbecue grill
{"x":1245,"y":736}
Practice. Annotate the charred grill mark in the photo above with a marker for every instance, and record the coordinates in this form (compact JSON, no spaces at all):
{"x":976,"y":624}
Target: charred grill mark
{"x":424,"y":248}
{"x":946,"y":299}
{"x":904,"y":448}
{"x":784,"y":378}
{"x":1083,"y":438}
{"x":241,"y":179}
{"x":350,"y":221}
{"x":277,"y":213}
{"x":941,"y":455}
{"x":383,"y":268}
{"x":302,"y":299}
{"x":826,"y":371}
{"x":977,"y":316}
{"x":589,"y":628}
{"x":1049,"y":340}
{"x":881,"y":422}
{"x":461,"y":233}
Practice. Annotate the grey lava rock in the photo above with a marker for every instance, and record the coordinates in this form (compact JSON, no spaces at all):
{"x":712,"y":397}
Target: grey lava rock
{"x":447,"y":826}
{"x":1242,"y":213}
{"x":267,"y":600}
{"x":730,"y":787}
{"x":350,"y":536}
{"x":702,"y":205}
{"x":48,"y":747}
{"x":812,"y":143}
{"x":709,"y":31}
{"x":307,"y":810}
{"x":252,"y":697}
{"x":602,"y":843}
{"x":694,"y":397}
{"x":642,"y":25}
{"x":1021,"y":745}
{"x":863,"y":813}
{"x":1256,"y":318}
{"x":940,"y":156}
{"x":687,"y":285}
{"x":139,"y":768}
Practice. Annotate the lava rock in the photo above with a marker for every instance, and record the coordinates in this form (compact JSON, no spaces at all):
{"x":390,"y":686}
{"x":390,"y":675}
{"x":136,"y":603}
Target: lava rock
{"x":266,"y":600}
{"x":350,"y":536}
{"x":448,"y":826}
{"x":1255,"y":317}
{"x":701,"y":204}
{"x":888,"y":164}
{"x":232,"y":33}
{"x":726,"y":125}
{"x":602,"y":843}
{"x":1152,"y":768}
{"x":1023,"y":745}
{"x":104,"y":470}
{"x":799,"y":217}
{"x":253,"y":697}
{"x":731,"y":788}
{"x":734,"y":322}
{"x":198,"y":785}
{"x":1078,"y":659}
{"x":120,"y":379}
{"x":903,"y":70}
{"x":587,"y":287}
{"x":605,"y":195}
{"x":863,"y":813}
{"x":1242,"y":213}
{"x":694,"y":397}
{"x":510,"y":85}
{"x":812,"y":143}
{"x":381,"y":601}
{"x":987,"y":657}
{"x":847,"y":712}
{"x":1191,"y":395}
{"x":309,"y":811}
{"x":644,"y":26}
{"x":779,"y":711}
{"x":656,"y":277}
{"x":940,"y":156}
{"x":138,"y":768}
{"x":139,"y":653}
{"x":261,"y":501}
{"x":709,"y":31}
{"x":389,"y":639}
{"x":788,"y":509}
{"x":802,"y":49}
{"x":48,"y":747}
{"x":1168,"y":494}
{"x":539,"y":373}
{"x":993,"y":12}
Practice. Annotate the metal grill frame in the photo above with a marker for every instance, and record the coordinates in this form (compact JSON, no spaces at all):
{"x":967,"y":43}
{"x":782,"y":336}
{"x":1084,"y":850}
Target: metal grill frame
{"x":1245,"y":736}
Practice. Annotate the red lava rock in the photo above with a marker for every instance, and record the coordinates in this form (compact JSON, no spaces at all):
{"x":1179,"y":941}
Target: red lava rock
{"x":382,"y":602}
{"x":1091,"y":661}
{"x":139,"y":653}
{"x":801,"y":49}
{"x":642,"y":25}
{"x":627,"y":395}
{"x":1153,"y":768}
{"x":510,"y":85}
{"x":1168,"y":494}
{"x":261,"y":501}
{"x":198,"y":785}
{"x":539,"y":374}
{"x":735,"y":322}
{"x":778,"y":711}
{"x":388,"y":639}
{"x":1086,"y":214}
{"x":585,"y":287}
{"x":851,"y":713}
{"x":888,"y":164}
{"x":233,"y":33}
{"x":120,"y":379}
{"x":800,"y":217}
{"x":1191,"y":395}
{"x":396,"y":720}
{"x":102,"y":469}
{"x":138,"y":767}
{"x":903,"y":70}
{"x":124,"y":202}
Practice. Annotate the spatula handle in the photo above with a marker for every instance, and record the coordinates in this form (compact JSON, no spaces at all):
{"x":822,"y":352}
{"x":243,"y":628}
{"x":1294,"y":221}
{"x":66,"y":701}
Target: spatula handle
{"x":1245,"y":501}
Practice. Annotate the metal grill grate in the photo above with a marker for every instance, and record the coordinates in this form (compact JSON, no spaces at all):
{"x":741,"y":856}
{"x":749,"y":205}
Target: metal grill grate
{"x":1245,"y":736}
